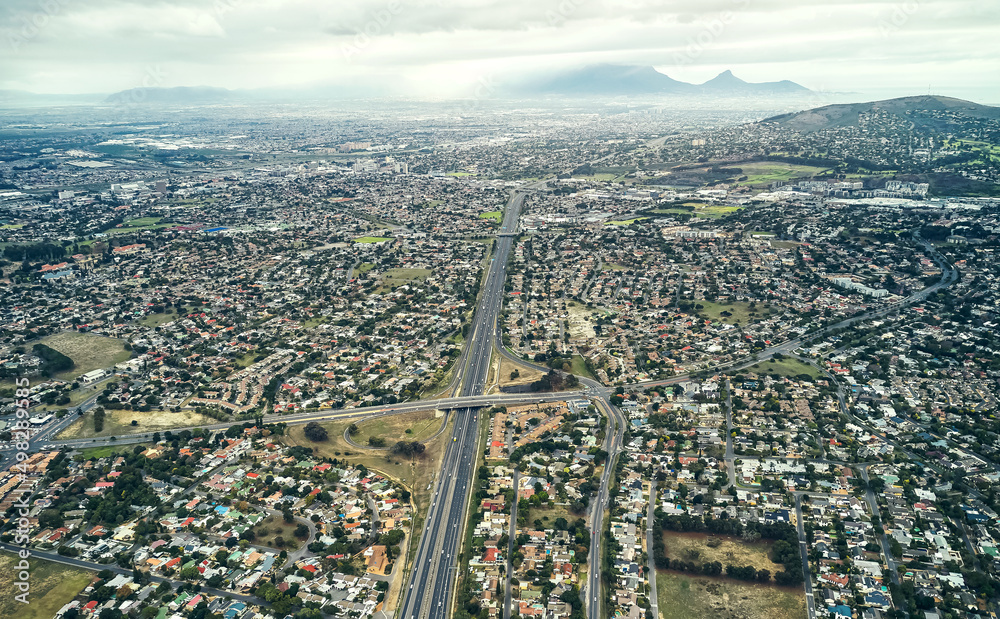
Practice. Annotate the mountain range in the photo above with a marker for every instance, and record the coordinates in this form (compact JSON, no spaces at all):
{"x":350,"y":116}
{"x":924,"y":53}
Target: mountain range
{"x":636,"y":80}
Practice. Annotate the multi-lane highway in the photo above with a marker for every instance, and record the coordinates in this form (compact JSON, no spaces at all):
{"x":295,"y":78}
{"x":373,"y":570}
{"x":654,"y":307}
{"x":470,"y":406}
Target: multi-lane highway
{"x":429,"y":591}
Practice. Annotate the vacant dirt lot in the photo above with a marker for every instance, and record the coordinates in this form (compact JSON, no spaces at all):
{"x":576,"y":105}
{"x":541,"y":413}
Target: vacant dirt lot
{"x":52,"y":586}
{"x":88,"y":351}
{"x":120,"y":422}
{"x":683,"y":597}
{"x":698,"y":547}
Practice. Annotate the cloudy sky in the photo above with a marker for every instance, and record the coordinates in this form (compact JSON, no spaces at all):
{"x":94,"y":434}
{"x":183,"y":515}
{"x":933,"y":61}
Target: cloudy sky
{"x":446,"y":47}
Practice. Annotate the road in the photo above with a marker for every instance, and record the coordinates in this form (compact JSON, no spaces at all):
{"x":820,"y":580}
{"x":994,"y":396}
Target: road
{"x":362,"y":412}
{"x":804,"y":553}
{"x":80,"y":563}
{"x":613,"y":443}
{"x":432,"y":580}
{"x":650,"y":530}
{"x":511,"y":534}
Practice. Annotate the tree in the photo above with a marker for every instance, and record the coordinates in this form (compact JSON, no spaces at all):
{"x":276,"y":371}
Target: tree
{"x":315,"y":432}
{"x":408,"y":448}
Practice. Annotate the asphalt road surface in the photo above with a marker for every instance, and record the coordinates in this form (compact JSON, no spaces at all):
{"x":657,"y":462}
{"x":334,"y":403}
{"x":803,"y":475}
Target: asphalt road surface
{"x":429,"y":592}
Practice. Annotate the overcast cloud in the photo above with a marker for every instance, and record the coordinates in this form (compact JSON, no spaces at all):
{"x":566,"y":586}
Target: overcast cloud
{"x":444,"y":47}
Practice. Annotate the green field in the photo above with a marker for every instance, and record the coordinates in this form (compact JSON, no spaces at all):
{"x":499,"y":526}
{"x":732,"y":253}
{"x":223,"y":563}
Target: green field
{"x":494,"y":215}
{"x":155,"y":320}
{"x":104,"y":452}
{"x":624,"y":222}
{"x":739,"y":313}
{"x":580,"y":367}
{"x":766,"y":172}
{"x":372,"y":239}
{"x":273,"y":527}
{"x":714,"y":211}
{"x":363,"y":268}
{"x":88,"y":351}
{"x":785,"y":367}
{"x":682,"y":597}
{"x":398,"y":277}
{"x":138,"y":225}
{"x":699,"y":209}
{"x":417,"y":426}
{"x":548,"y":515}
{"x":52,"y":586}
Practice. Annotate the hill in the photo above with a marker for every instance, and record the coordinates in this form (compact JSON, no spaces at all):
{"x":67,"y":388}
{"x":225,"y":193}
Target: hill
{"x":929,"y":112}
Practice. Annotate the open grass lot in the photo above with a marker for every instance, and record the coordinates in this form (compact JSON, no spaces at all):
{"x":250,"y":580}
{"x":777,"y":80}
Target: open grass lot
{"x":88,"y":351}
{"x":784,"y":244}
{"x":682,"y":597}
{"x":714,"y":211}
{"x":371,"y":239}
{"x":524,"y":375}
{"x":104,"y":452}
{"x":398,"y":277}
{"x":315,"y":321}
{"x":138,"y":225}
{"x":363,"y":268}
{"x":421,"y":425}
{"x":699,"y":209}
{"x":580,"y":367}
{"x":784,"y":367}
{"x":738,"y":312}
{"x":120,"y":422}
{"x":494,"y":215}
{"x":548,"y":515}
{"x":624,"y":222}
{"x":766,"y":172}
{"x":698,"y":547}
{"x":155,"y":320}
{"x":52,"y":586}
{"x":271,"y":528}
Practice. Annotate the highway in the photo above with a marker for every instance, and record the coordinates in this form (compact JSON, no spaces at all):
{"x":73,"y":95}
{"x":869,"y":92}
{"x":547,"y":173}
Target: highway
{"x":430,"y":590}
{"x":613,"y":444}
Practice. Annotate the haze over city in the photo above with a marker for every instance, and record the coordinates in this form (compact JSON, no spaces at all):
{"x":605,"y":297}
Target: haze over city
{"x":442,"y":48}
